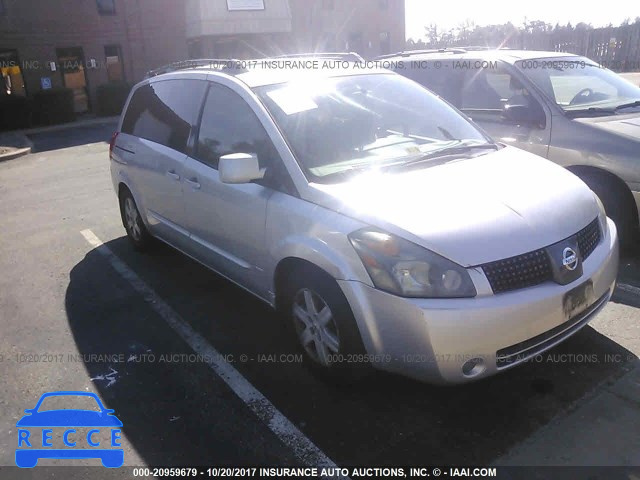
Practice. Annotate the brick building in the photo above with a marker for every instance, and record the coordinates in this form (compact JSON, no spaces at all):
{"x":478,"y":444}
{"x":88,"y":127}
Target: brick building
{"x":85,"y":43}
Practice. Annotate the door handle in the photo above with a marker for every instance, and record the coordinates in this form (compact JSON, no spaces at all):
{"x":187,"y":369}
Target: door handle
{"x":194,"y":183}
{"x":173,"y":175}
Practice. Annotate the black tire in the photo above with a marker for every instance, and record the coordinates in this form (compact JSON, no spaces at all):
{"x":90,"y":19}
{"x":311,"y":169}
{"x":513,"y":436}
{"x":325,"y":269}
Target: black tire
{"x":619,"y":205}
{"x":132,"y":221}
{"x":349,"y":362}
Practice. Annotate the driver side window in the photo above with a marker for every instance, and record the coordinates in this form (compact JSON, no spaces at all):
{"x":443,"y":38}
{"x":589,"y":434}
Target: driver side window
{"x":230,"y":126}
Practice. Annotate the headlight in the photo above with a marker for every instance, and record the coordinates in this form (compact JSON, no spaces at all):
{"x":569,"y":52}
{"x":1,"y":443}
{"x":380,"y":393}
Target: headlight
{"x":403,"y":268}
{"x":602,"y":217}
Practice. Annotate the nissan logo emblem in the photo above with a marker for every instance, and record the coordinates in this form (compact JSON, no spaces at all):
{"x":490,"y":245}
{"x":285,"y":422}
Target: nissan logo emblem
{"x":569,"y":259}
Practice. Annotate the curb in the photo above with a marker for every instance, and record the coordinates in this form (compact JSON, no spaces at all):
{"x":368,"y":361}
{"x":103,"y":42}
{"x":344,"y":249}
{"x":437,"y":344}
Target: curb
{"x":15,"y":154}
{"x":19,"y":141}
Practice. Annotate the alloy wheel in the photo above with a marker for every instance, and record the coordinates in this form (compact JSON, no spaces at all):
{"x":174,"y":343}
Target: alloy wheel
{"x":315,"y":326}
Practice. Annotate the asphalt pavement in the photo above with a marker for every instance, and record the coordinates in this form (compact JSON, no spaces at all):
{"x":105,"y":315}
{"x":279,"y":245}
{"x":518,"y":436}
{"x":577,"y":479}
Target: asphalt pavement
{"x":94,"y":315}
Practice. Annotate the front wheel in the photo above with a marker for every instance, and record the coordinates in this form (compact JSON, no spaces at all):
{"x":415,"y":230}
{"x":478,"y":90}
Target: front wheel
{"x":618,"y":204}
{"x":324,"y":326}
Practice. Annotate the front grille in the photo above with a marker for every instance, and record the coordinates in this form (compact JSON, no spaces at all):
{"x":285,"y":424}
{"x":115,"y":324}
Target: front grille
{"x":533,"y":268}
{"x":589,"y":238}
{"x":518,"y":272}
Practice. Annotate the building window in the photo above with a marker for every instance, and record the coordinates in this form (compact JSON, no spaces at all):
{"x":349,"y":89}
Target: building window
{"x":385,"y":43}
{"x":328,"y":4}
{"x":115,"y":66}
{"x":3,"y":10}
{"x":383,"y":4}
{"x":106,"y":7}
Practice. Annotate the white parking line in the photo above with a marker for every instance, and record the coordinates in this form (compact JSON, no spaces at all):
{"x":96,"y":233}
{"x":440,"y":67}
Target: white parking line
{"x":303,"y":448}
{"x":628,"y":288}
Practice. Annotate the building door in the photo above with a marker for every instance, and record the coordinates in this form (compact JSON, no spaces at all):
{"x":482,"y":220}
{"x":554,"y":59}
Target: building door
{"x":11,"y":81}
{"x":72,"y":67}
{"x":115,"y":66}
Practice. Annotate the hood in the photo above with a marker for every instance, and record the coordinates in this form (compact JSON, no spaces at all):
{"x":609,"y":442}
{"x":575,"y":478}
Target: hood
{"x":472,"y":211}
{"x":625,"y":125}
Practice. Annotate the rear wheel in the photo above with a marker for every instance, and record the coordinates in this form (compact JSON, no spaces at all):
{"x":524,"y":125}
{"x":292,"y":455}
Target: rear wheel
{"x":132,"y":221}
{"x":324,"y":325}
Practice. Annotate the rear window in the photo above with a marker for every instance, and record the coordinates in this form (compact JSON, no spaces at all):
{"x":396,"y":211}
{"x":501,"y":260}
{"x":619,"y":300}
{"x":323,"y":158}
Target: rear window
{"x":164,"y":112}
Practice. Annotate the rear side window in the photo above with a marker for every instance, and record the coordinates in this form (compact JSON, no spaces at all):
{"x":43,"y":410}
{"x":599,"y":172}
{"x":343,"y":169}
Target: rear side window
{"x":164,"y":112}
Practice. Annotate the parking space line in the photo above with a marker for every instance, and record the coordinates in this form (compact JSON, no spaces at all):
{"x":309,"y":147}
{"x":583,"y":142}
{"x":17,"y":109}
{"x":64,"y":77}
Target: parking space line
{"x":303,"y":448}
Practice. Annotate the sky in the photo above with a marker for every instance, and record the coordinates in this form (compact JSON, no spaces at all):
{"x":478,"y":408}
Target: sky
{"x":446,"y":15}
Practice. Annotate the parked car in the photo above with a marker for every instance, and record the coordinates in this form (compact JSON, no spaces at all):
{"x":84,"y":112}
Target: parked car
{"x":560,"y":106}
{"x":385,"y":226}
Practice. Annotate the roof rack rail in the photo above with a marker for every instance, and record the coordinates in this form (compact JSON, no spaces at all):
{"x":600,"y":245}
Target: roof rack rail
{"x":475,"y":48}
{"x":409,"y":53}
{"x":347,"y":56}
{"x":458,"y":50}
{"x":214,"y":63}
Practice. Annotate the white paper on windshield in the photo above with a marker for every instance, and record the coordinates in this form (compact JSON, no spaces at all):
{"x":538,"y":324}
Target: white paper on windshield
{"x":292,"y":101}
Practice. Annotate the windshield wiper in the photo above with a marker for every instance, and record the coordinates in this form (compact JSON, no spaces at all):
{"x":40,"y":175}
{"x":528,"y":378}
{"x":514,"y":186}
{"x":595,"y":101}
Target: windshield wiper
{"x":628,"y":105}
{"x":591,"y":110}
{"x":393,"y":163}
{"x":445,"y":152}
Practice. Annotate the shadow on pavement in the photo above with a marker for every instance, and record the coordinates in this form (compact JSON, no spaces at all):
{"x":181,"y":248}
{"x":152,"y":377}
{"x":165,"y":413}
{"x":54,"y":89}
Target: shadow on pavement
{"x":71,"y":137}
{"x":387,"y":420}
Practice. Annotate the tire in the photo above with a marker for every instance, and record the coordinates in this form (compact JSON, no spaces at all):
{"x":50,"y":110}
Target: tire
{"x":618,"y":204}
{"x":132,"y":221}
{"x":330,"y":341}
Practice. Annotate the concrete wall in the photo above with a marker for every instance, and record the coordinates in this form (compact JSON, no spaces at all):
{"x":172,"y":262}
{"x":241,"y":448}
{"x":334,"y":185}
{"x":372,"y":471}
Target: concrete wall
{"x":212,"y":17}
{"x":318,"y":28}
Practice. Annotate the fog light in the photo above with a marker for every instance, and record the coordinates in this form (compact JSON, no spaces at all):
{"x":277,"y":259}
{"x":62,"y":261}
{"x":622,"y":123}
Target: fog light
{"x":473,"y":367}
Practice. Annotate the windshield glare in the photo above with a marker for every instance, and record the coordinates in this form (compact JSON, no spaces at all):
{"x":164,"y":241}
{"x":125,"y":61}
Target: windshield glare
{"x":346,"y":124}
{"x":576,"y":83}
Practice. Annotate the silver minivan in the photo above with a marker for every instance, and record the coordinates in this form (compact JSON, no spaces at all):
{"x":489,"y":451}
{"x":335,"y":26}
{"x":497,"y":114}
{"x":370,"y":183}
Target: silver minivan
{"x":563,"y":107}
{"x":384,"y":226}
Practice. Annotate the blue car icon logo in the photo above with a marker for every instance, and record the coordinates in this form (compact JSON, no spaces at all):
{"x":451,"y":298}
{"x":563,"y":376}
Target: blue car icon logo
{"x":35,"y":433}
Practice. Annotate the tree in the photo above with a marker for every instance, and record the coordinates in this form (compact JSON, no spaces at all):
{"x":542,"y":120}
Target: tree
{"x":432,"y":34}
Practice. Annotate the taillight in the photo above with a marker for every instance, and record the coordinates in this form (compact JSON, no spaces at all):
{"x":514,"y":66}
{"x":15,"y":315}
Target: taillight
{"x":112,"y":143}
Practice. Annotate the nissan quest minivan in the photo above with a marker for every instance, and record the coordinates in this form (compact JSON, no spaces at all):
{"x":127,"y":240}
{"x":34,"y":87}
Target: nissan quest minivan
{"x":385,"y":227}
{"x":561,"y":106}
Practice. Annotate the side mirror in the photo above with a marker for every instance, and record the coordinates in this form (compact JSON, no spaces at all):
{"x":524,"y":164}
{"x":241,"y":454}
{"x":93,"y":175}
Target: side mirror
{"x":239,"y":168}
{"x":524,"y":114}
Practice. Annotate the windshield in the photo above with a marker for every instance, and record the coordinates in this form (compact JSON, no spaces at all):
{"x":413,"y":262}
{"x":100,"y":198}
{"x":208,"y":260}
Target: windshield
{"x":577,"y":84}
{"x":353,"y":123}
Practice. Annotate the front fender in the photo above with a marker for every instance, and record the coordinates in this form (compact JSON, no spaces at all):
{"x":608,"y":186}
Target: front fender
{"x":341,"y":265}
{"x":299,"y":229}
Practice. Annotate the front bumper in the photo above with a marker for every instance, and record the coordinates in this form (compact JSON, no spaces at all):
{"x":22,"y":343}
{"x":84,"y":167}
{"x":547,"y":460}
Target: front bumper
{"x":432,"y":339}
